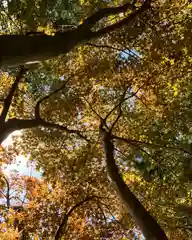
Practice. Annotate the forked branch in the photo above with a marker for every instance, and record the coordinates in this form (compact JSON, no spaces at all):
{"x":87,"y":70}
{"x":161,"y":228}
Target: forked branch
{"x":37,"y":107}
{"x":126,"y":21}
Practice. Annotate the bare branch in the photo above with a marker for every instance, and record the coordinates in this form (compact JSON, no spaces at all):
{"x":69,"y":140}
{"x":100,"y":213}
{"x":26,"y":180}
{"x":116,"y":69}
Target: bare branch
{"x":104,"y":46}
{"x":101,"y":210}
{"x":9,"y":98}
{"x":100,"y":118}
{"x":118,"y":105}
{"x":124,"y":50}
{"x":22,"y":202}
{"x":133,"y":54}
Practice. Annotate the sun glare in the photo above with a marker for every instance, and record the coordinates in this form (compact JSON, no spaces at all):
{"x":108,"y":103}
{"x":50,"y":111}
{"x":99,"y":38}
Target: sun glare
{"x":9,"y":140}
{"x":21,"y":164}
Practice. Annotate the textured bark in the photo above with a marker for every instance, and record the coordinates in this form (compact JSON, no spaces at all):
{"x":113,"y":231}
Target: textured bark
{"x":148,"y":225}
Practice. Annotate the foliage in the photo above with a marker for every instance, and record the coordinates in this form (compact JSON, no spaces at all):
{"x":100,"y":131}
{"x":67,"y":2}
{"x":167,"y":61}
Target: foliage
{"x":143,"y":69}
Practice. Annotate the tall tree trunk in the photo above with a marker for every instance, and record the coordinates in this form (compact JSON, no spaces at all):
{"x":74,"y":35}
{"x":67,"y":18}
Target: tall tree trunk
{"x":142,"y":218}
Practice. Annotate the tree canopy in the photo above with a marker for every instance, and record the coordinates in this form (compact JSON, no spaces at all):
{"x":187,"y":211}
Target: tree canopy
{"x":101,"y":94}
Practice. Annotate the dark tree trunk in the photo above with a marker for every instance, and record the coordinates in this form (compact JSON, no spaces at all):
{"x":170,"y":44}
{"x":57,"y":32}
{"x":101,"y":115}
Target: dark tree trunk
{"x":17,"y":50}
{"x":148,"y":225}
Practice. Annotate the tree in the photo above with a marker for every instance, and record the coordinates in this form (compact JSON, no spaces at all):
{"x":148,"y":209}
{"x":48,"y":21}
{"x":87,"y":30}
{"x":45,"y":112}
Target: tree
{"x":135,"y":84}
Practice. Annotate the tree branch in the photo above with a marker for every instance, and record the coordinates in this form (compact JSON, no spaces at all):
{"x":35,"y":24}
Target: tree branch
{"x":1,"y":192}
{"x":7,"y":193}
{"x":20,"y":49}
{"x":128,"y":20}
{"x":123,"y":99}
{"x":136,"y":57}
{"x":63,"y":224}
{"x":37,"y":107}
{"x":9,"y":98}
{"x":133,"y":141}
{"x":105,"y":12}
{"x":19,"y":124}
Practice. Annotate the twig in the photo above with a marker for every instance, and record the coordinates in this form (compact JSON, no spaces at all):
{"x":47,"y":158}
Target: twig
{"x":114,"y":48}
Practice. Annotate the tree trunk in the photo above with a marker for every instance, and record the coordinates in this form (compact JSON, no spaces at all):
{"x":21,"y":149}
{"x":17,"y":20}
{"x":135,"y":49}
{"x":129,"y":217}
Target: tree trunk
{"x":16,"y":50}
{"x":148,"y":225}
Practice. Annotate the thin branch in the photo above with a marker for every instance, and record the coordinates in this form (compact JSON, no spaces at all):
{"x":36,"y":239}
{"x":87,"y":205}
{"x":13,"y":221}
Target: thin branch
{"x":100,"y":118}
{"x":93,"y":109}
{"x":126,"y":50}
{"x":101,"y":210}
{"x":105,"y":46}
{"x":1,"y":192}
{"x":8,"y":192}
{"x":117,"y":118}
{"x":120,"y":109}
{"x":9,"y":98}
{"x":113,"y":217}
{"x":123,"y":154}
{"x":38,"y":121}
{"x":126,"y":47}
{"x":22,"y":201}
{"x":133,"y":141}
{"x":114,"y":48}
{"x":122,"y":101}
{"x":119,"y":105}
{"x":63,"y":224}
{"x":37,"y":107}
